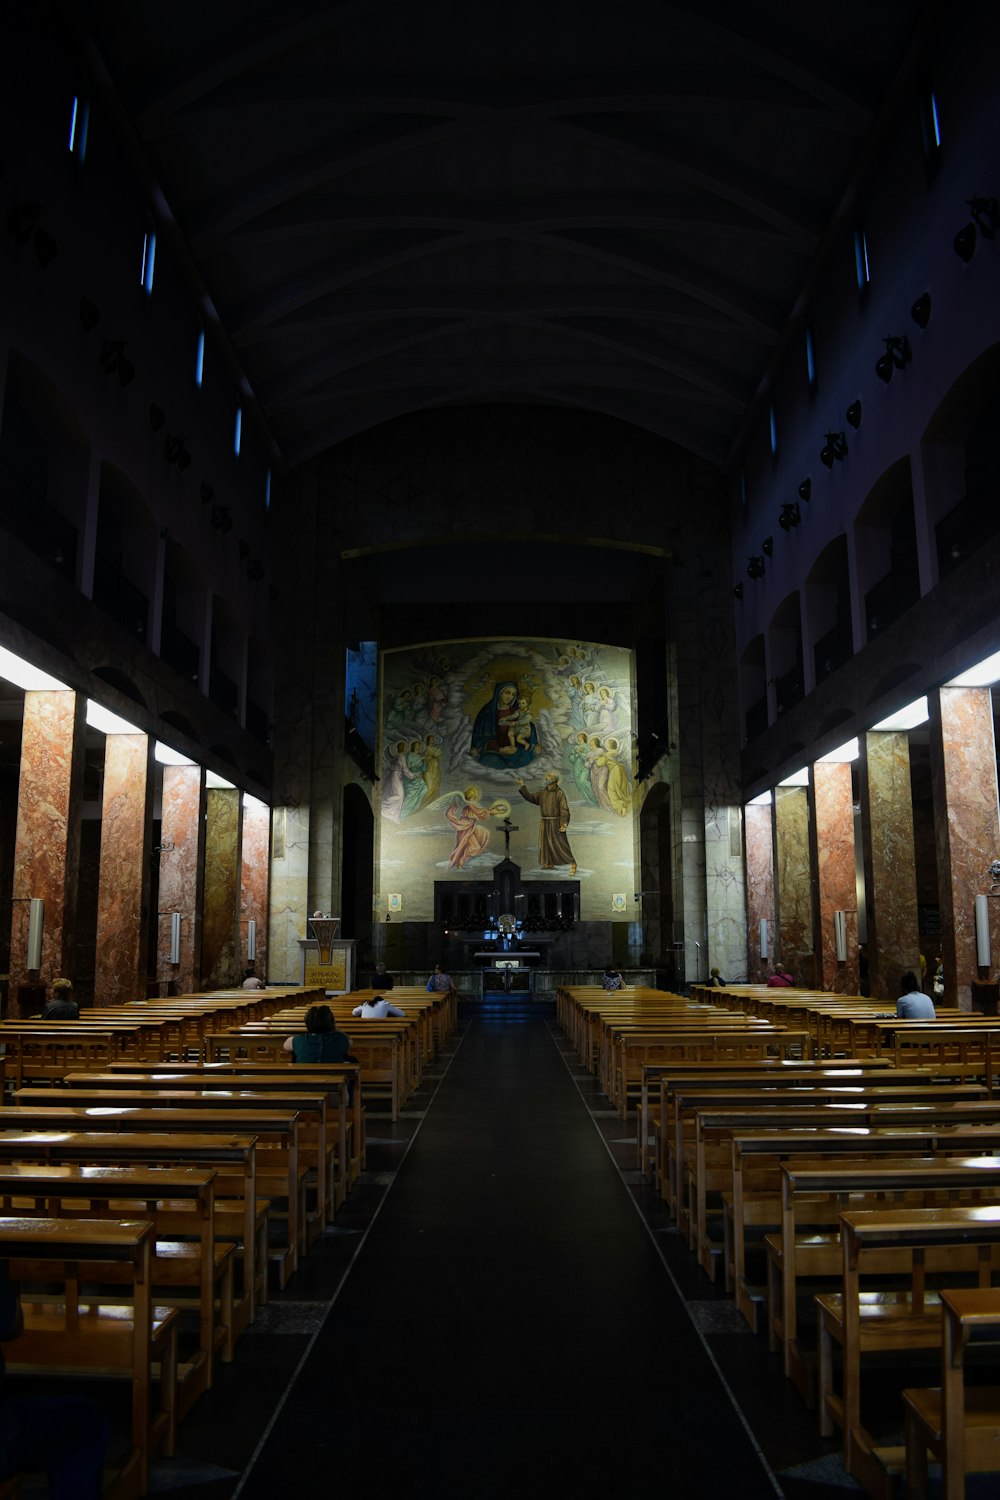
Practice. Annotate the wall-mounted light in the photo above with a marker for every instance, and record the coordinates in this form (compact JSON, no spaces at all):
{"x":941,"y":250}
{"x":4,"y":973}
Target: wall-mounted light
{"x":767,"y":546}
{"x":986,"y":215}
{"x":764,"y":935}
{"x":840,"y":935}
{"x":222,"y":518}
{"x":255,"y":570}
{"x":834,"y":449}
{"x":175,"y":451}
{"x":738,"y":591}
{"x":251,"y":939}
{"x":920,"y":312}
{"x":36,"y":926}
{"x":983,"y":931}
{"x":896,"y":357}
{"x":791,"y":516}
{"x":964,"y":243}
{"x":755,"y":567}
{"x":854,"y":414}
{"x":175,"y":937}
{"x":113,"y":360}
{"x":806,"y":489}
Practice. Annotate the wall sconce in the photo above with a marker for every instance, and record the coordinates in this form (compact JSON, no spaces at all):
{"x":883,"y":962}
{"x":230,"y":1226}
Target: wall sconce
{"x":986,"y":214}
{"x":255,"y":570}
{"x":920,"y":312}
{"x":112,"y":360}
{"x":853,"y":415}
{"x":806,"y":490}
{"x":175,"y":452}
{"x":755,"y":567}
{"x":835,"y":448}
{"x":221,"y":518}
{"x":840,"y":935}
{"x":983,"y":931}
{"x":738,"y":591}
{"x":36,"y":925}
{"x":251,"y":939}
{"x":767,"y":546}
{"x":764,"y":949}
{"x":896,"y":357}
{"x":175,"y":937}
{"x":791,"y":516}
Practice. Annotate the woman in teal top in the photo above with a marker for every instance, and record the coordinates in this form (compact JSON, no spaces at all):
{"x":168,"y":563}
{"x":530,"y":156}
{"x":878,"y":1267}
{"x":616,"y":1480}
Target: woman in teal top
{"x":322,"y":1042}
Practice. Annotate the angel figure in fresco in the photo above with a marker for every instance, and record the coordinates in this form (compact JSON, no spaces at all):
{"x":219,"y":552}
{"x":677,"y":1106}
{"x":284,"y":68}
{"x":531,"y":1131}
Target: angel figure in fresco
{"x":437,"y":697}
{"x":619,"y":795}
{"x":468,"y":817}
{"x":607,"y":710}
{"x":575,"y":694}
{"x":432,"y":771}
{"x":394,"y":791}
{"x":579,"y":762}
{"x":416,"y":787}
{"x":597,"y":764}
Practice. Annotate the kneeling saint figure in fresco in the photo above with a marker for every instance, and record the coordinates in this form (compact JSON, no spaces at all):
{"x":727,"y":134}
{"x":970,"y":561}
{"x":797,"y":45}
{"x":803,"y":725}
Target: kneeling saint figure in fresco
{"x":553,"y":845}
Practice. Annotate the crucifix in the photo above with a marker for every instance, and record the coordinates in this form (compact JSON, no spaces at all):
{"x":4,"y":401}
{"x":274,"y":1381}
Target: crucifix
{"x":507,"y":828}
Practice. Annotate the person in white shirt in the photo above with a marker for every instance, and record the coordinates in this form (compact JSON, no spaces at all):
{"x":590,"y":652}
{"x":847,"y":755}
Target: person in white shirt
{"x":913,"y":1004}
{"x":377,"y":1009}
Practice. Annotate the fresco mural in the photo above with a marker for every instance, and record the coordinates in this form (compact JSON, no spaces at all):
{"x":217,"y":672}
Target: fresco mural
{"x":526,"y":743}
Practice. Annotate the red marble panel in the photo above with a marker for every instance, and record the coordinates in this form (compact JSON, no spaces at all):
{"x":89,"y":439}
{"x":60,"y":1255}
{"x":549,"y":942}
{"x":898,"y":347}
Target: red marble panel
{"x":254,"y":885}
{"x":793,"y":881}
{"x":123,"y":887}
{"x":220,"y":951}
{"x":758,"y":828}
{"x":887,"y":818}
{"x":181,"y":877}
{"x":835,"y":870}
{"x":968,"y":831}
{"x":47,"y":841}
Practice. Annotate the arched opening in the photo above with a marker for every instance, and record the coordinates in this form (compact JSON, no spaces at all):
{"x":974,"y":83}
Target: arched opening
{"x":887,"y":549}
{"x":785,"y":637}
{"x":828,"y":609}
{"x":125,"y":557}
{"x":753,"y":688}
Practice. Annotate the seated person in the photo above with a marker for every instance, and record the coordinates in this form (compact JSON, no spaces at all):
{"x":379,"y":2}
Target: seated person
{"x":716,"y":979}
{"x":913,"y":1004}
{"x":439,"y":982}
{"x":322,"y":1042}
{"x":251,"y":981}
{"x":380,"y":979}
{"x":612,"y":979}
{"x":64,"y":1437}
{"x":62,"y":1006}
{"x":377,"y":1009}
{"x":780,"y":977}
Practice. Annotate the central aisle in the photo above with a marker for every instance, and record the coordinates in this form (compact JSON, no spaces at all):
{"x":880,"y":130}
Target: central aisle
{"x":508,"y":1327}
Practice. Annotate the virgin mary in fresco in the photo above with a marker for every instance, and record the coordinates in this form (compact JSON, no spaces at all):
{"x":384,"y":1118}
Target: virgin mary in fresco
{"x":493,"y":743}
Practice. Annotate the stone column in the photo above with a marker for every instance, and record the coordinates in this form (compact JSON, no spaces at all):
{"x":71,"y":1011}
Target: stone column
{"x":967,"y":827}
{"x":833,"y":853}
{"x":123,"y":886}
{"x":220,"y":949}
{"x":793,"y":883}
{"x":181,"y":877}
{"x":254,"y":881}
{"x":890,"y":873}
{"x":758,"y":822}
{"x":47,"y":841}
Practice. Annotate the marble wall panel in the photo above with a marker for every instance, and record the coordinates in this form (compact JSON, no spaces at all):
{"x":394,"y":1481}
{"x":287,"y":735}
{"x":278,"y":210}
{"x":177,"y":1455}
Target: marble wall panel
{"x":964,"y":774}
{"x":758,"y":825}
{"x":181,"y":877}
{"x":254,"y":883}
{"x":123,"y":886}
{"x":220,"y":950}
{"x":887,"y":823}
{"x":289,"y":907}
{"x":793,"y":882}
{"x":47,"y":839}
{"x":833,"y":812}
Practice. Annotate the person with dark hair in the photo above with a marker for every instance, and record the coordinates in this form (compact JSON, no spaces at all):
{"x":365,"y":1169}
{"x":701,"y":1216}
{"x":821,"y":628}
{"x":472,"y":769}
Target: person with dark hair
{"x":439,"y":982}
{"x":913,"y":1004}
{"x":380,"y":979}
{"x":62,"y":1006}
{"x":377,"y":1009}
{"x":252,"y":981}
{"x":612,"y":979}
{"x":322,"y":1042}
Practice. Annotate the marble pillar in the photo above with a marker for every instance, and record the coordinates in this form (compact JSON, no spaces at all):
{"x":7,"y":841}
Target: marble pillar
{"x":967,"y":827}
{"x":181,"y":878}
{"x":220,"y":946}
{"x":793,"y":883}
{"x":123,"y":885}
{"x":254,"y":882}
{"x":47,"y":841}
{"x":833,"y":833}
{"x":890,"y":871}
{"x":758,"y":823}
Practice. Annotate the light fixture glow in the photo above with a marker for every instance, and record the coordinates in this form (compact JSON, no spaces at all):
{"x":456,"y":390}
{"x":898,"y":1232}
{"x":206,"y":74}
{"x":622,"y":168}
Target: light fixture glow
{"x":218,"y":782}
{"x":843,"y":754}
{"x":983,"y":674}
{"x":23,"y":675}
{"x":797,"y":778}
{"x":168,"y":757}
{"x":763,"y":799}
{"x":910,"y":717}
{"x":253,"y":804}
{"x":106,"y":722}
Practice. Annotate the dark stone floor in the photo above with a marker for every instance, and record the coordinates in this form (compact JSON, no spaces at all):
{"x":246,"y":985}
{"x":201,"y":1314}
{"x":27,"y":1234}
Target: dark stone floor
{"x":503,"y":1309}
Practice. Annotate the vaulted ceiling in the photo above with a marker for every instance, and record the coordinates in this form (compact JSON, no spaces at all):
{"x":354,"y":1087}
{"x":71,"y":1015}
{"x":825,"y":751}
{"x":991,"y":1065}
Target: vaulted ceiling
{"x":402,"y":204}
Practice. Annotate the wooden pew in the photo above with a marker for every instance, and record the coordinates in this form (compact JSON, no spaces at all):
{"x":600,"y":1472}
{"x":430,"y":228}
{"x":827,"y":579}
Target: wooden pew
{"x":815,"y":1194}
{"x":861,"y":1325}
{"x":380,"y":1054}
{"x":238,"y":1215}
{"x":960,"y":1426}
{"x":177,"y":1201}
{"x":74,"y":1333}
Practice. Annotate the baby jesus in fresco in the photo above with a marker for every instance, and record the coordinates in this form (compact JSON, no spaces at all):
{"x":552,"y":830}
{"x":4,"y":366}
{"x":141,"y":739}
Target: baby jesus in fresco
{"x":517,"y":723}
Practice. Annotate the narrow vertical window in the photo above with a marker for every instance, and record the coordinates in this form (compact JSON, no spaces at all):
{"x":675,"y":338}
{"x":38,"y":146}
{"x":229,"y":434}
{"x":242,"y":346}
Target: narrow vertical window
{"x":74,"y":118}
{"x":743,"y":492}
{"x":267,"y":490}
{"x":238,"y":430}
{"x":772,"y":422}
{"x":930,"y":126}
{"x":810,"y":358}
{"x":148,"y":260}
{"x":861,"y":263}
{"x":79,"y":120}
{"x":199,"y":358}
